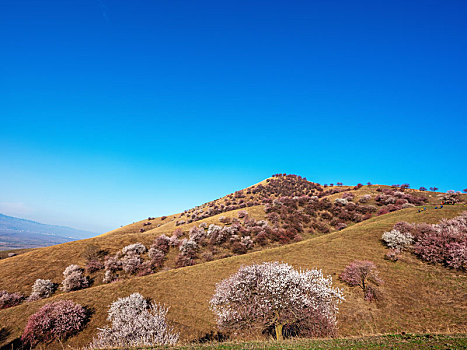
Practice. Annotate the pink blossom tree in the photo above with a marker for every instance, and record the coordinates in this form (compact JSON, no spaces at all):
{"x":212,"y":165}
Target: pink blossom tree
{"x":54,"y":321}
{"x":275,"y":295}
{"x":9,"y":299}
{"x":362,"y":274}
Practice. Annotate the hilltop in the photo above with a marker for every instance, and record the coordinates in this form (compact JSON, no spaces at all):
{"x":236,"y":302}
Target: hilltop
{"x":298,"y":222}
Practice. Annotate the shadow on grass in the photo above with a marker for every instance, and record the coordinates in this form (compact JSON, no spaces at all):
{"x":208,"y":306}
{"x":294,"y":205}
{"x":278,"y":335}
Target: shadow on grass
{"x":14,"y":344}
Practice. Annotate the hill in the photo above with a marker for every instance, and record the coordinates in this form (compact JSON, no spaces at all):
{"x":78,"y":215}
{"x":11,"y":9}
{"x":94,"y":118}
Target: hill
{"x":17,"y":233}
{"x":417,"y":297}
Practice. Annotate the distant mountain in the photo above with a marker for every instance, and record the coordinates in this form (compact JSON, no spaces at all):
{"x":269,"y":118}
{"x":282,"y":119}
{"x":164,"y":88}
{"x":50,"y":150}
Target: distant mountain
{"x":16,"y":233}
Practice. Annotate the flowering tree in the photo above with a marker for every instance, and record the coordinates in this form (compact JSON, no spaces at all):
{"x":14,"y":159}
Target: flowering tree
{"x":54,"y":321}
{"x":274,"y":294}
{"x":397,"y":240}
{"x":74,"y":279}
{"x":362,"y":274}
{"x":9,"y":299}
{"x":444,"y":243}
{"x":42,"y":289}
{"x":135,"y":322}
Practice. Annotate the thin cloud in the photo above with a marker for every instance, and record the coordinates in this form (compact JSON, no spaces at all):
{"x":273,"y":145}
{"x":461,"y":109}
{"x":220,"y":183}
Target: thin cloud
{"x":104,"y":11}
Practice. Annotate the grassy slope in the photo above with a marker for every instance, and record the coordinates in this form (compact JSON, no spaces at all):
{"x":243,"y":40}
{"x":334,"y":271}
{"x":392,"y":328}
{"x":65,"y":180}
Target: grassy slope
{"x":18,"y":274}
{"x":417,"y":297}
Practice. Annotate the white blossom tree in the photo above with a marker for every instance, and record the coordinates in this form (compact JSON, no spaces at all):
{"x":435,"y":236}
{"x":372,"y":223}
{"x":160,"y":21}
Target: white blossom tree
{"x":135,"y":322}
{"x":275,"y":295}
{"x":41,"y":289}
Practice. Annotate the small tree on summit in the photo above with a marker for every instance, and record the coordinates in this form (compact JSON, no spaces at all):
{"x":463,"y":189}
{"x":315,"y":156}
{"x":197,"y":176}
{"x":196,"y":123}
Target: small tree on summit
{"x":275,"y":295}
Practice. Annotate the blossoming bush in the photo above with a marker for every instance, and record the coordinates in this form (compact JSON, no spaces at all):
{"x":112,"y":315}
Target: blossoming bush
{"x":276,"y":295}
{"x":136,"y":248}
{"x":9,"y":299}
{"x":74,"y":279}
{"x":131,"y":263}
{"x":93,"y":266}
{"x":396,"y":239}
{"x":42,"y":289}
{"x":134,"y":323}
{"x":54,"y":321}
{"x":363,"y":274}
{"x":444,"y":243}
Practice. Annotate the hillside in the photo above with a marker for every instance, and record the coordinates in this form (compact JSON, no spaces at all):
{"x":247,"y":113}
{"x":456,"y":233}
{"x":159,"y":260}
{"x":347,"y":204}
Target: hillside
{"x":17,"y":233}
{"x":417,"y":297}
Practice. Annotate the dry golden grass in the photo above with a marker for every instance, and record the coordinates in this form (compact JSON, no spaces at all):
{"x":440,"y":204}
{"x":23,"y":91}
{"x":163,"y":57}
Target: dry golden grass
{"x":417,"y":297}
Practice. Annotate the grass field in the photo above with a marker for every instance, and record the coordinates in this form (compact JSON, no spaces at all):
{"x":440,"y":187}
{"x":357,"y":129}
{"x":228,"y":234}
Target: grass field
{"x":393,"y":341}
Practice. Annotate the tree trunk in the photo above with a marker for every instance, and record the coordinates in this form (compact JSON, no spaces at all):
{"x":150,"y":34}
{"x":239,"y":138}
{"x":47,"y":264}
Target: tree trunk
{"x":278,"y":328}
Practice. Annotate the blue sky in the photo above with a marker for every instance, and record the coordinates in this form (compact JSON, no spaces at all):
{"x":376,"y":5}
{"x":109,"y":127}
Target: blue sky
{"x":112,"y":111}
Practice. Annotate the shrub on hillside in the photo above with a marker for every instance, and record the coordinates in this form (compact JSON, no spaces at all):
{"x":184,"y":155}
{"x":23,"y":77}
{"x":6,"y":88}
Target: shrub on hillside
{"x":42,"y":289}
{"x":341,"y":201}
{"x":188,"y":248}
{"x":348,"y":195}
{"x":136,"y":248}
{"x":184,"y":260}
{"x":396,"y":239}
{"x":365,"y":199}
{"x":74,"y":279}
{"x":157,"y":257}
{"x":109,"y":276}
{"x":239,"y":248}
{"x":444,"y":243}
{"x":450,"y":198}
{"x":162,"y":243}
{"x":113,"y":263}
{"x":392,"y":255}
{"x":131,"y":263}
{"x":55,"y":321}
{"x":93,"y":252}
{"x":134,"y":323}
{"x":197,"y":234}
{"x":383,"y":211}
{"x":242,"y":213}
{"x":9,"y":299}
{"x":275,"y":295}
{"x":363,"y":274}
{"x":94,"y":266}
{"x":70,"y":269}
{"x":341,"y":225}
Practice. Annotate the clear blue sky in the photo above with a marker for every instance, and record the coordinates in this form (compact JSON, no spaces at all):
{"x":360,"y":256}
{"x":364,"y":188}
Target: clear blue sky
{"x":112,"y":110}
